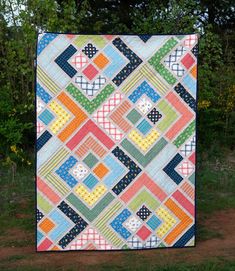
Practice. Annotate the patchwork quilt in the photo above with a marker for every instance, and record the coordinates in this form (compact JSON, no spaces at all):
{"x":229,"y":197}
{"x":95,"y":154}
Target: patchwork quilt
{"x":115,"y":141}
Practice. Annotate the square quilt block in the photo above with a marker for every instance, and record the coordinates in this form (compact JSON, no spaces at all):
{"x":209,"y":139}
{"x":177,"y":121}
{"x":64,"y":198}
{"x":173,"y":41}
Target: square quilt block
{"x":115,"y":141}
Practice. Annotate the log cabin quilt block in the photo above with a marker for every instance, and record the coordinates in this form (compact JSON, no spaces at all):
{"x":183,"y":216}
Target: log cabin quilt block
{"x":115,"y":141}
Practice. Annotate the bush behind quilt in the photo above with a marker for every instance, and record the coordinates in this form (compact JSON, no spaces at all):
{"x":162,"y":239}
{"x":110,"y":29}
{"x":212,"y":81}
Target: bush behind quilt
{"x":115,"y":141}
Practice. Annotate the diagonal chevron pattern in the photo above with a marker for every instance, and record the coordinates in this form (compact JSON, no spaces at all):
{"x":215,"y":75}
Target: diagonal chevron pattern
{"x":116,"y":142}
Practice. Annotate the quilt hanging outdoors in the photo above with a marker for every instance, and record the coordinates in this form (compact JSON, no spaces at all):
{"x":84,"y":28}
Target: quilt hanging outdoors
{"x":115,"y":141}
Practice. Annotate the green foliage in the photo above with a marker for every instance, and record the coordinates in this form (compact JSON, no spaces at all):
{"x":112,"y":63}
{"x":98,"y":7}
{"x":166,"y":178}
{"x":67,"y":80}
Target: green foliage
{"x":217,"y":90}
{"x":21,"y":20}
{"x":166,"y":17}
{"x":16,"y":198}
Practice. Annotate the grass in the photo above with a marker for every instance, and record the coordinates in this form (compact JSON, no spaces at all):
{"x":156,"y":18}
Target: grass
{"x":216,"y":188}
{"x":216,"y":181}
{"x":16,"y":199}
{"x":204,"y":233}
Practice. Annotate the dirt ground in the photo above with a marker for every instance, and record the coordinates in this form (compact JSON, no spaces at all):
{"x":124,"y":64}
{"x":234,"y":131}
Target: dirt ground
{"x":223,"y":246}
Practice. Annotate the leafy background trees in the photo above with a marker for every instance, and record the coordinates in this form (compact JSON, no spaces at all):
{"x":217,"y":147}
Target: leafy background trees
{"x":20,"y":20}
